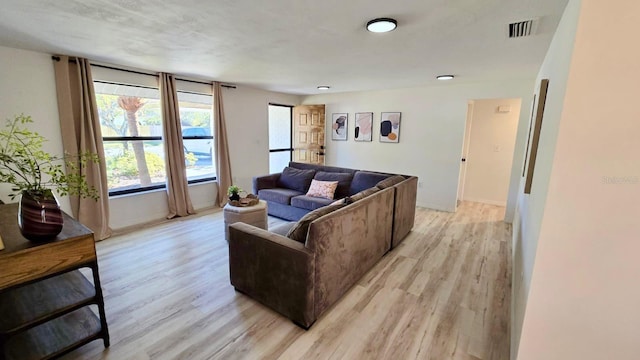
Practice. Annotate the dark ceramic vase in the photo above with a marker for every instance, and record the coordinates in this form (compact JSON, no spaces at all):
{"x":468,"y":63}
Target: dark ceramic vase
{"x":234,"y":196}
{"x":39,"y":216}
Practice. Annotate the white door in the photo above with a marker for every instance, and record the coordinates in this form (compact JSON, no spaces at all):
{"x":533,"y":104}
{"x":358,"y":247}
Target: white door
{"x":465,"y":152}
{"x":491,"y":141}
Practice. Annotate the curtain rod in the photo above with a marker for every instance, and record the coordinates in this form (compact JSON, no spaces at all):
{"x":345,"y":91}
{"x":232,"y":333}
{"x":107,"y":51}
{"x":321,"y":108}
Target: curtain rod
{"x":57,"y":58}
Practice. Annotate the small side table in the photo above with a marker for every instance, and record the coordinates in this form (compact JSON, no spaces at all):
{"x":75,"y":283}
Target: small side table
{"x":44,"y":299}
{"x":255,"y":215}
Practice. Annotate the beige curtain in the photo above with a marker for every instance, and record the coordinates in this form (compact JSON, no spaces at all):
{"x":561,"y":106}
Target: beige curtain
{"x":223,"y":165}
{"x":177,"y":184}
{"x":80,"y":127}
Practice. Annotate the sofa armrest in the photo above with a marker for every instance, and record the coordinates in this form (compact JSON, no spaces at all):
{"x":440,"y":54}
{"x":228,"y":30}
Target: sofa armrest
{"x":274,"y":270}
{"x":404,"y":211}
{"x":265,"y":182}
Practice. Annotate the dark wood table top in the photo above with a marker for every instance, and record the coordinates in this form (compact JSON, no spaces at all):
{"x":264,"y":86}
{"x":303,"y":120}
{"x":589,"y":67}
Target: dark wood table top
{"x":14,"y":241}
{"x":23,"y":261}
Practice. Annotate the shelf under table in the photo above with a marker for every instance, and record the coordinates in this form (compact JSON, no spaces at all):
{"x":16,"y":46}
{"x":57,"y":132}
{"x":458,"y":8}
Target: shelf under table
{"x":55,"y":337}
{"x":35,"y":303}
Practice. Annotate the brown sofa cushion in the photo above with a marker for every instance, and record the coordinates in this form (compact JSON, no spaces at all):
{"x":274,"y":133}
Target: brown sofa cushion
{"x":364,"y":193}
{"x":299,"y":231}
{"x":282,"y":229}
{"x":389,"y":182}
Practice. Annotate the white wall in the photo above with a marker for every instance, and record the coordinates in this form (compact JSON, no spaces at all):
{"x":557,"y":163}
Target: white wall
{"x":431,"y":133}
{"x":583,"y":300}
{"x":491,"y":147}
{"x":247,"y":115}
{"x":531,"y":208}
{"x":28,"y":86}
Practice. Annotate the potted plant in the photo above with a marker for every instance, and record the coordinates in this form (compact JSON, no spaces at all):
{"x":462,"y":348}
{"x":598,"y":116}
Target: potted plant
{"x":234,"y":192}
{"x":33,"y":173}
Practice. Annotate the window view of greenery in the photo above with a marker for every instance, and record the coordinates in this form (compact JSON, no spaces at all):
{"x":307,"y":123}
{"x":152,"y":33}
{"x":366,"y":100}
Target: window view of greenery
{"x":197,"y":136}
{"x":131,"y":123}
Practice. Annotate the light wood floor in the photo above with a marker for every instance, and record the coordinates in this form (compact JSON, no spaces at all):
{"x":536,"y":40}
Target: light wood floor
{"x":442,"y":294}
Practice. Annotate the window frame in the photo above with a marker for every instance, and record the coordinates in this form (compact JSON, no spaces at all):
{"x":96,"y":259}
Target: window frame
{"x":140,"y":189}
{"x":113,"y":193}
{"x":290,"y":149}
{"x":200,"y":137}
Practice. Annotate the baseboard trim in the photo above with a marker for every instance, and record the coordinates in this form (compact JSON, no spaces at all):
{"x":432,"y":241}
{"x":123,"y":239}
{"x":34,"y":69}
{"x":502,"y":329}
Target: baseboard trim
{"x":490,"y":202}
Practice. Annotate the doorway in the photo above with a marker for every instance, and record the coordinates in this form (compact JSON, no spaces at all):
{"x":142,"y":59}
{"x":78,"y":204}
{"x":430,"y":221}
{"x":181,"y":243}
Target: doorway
{"x":487,"y":151}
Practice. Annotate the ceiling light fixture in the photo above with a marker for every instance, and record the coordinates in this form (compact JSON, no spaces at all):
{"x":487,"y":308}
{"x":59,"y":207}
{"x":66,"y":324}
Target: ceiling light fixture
{"x":381,"y":25}
{"x":445,"y":77}
{"x":324,"y":87}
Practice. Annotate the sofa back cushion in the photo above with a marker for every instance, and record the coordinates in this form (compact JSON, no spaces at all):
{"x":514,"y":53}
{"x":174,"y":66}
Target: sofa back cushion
{"x":364,"y":179}
{"x":390,"y":181}
{"x":343,"y":179}
{"x":296,"y":179}
{"x":299,"y":231}
{"x":316,"y":167}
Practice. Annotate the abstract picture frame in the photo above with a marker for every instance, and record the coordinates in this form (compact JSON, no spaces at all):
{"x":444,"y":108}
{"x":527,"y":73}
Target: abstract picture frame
{"x":390,"y":127}
{"x":339,"y":126}
{"x":364,"y":126}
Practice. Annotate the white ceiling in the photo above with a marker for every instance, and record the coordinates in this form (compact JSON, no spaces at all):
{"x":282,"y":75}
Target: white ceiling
{"x":291,"y":45}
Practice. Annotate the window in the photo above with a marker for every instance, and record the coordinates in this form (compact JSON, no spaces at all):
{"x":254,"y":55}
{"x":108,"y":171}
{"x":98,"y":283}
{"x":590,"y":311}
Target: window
{"x":197,"y":137}
{"x":131,"y":124}
{"x":280,"y":150}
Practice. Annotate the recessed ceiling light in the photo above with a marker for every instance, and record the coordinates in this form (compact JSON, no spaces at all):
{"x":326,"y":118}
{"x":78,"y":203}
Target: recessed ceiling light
{"x":381,"y":25}
{"x":445,"y":77}
{"x":324,"y":87}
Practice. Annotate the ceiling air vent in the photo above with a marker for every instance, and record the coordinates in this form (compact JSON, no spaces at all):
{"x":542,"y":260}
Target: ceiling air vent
{"x":523,"y":28}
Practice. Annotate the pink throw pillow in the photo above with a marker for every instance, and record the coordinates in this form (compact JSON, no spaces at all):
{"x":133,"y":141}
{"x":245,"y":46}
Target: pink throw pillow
{"x":323,"y":189}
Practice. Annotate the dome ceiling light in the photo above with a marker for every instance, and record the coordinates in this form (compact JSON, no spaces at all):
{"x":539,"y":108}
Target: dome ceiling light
{"x":381,"y":25}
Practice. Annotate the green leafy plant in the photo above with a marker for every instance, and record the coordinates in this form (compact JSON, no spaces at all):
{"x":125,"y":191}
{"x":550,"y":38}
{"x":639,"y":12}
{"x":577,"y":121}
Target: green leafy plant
{"x":233,"y":190}
{"x":29,"y":169}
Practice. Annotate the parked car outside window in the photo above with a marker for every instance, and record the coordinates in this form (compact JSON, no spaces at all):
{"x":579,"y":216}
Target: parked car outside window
{"x":197,"y":140}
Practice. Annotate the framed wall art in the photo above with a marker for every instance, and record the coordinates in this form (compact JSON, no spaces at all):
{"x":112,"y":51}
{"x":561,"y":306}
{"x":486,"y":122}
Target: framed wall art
{"x":531,"y":120}
{"x":390,"y":127}
{"x":339,"y":126}
{"x":535,"y":137}
{"x":364,"y":126}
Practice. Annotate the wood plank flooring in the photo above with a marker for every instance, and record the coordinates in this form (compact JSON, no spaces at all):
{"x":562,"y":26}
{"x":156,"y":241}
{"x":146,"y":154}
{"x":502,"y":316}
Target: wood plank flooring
{"x":442,"y":294}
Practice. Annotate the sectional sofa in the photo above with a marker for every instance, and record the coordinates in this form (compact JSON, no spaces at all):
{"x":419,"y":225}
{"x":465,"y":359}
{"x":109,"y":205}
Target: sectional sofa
{"x":300,"y":269}
{"x":285,"y":192}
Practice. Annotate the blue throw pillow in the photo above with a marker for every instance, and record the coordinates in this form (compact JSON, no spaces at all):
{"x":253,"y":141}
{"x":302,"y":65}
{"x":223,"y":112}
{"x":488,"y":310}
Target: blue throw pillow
{"x":296,"y":179}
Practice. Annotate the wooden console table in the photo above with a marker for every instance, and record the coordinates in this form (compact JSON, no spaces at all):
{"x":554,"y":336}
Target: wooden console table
{"x":44,"y":299}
